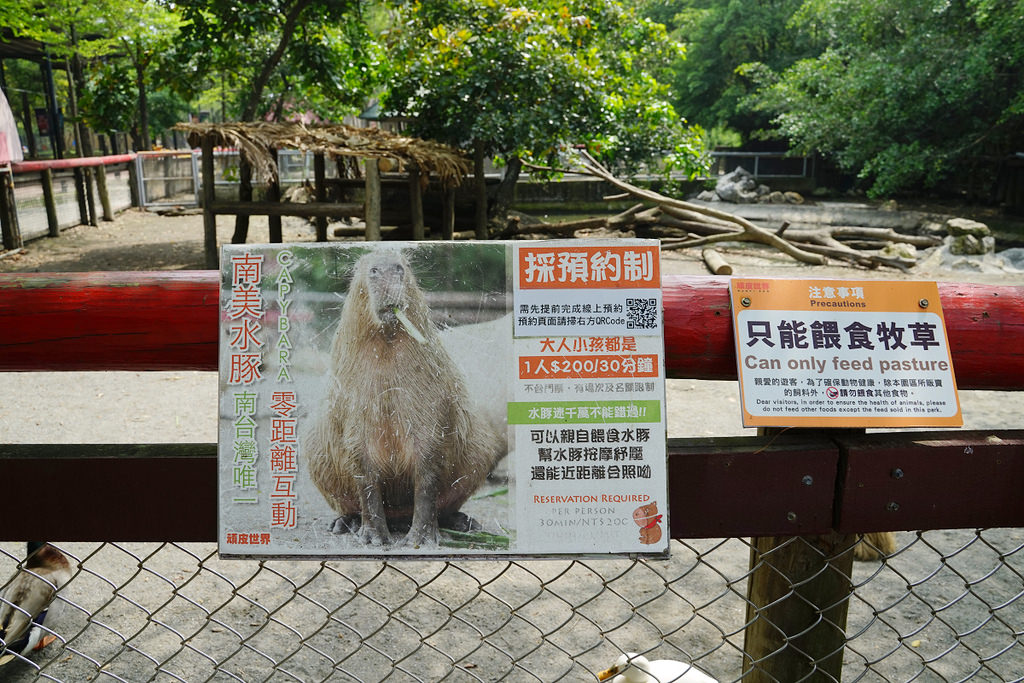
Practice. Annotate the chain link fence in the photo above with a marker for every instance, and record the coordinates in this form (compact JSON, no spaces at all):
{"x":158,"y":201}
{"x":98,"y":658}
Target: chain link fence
{"x":945,"y":606}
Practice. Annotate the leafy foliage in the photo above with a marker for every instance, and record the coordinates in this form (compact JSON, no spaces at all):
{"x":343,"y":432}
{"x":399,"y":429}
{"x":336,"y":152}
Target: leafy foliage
{"x":523,"y":79}
{"x":720,"y":36}
{"x":907,"y":92}
{"x":274,"y":56}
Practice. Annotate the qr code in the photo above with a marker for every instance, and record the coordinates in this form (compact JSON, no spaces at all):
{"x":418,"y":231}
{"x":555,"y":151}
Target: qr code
{"x":641,"y":314}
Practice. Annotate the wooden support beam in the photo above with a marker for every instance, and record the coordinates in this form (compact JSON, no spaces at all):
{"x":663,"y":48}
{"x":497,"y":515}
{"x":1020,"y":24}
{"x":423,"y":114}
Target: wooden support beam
{"x":799,"y":471}
{"x":274,"y":197}
{"x":312,"y":210}
{"x":448,"y":216}
{"x":320,"y":193}
{"x":372,"y":211}
{"x":416,"y":205}
{"x":209,"y":217}
{"x":890,"y":480}
{"x":717,"y":490}
{"x":101,"y":493}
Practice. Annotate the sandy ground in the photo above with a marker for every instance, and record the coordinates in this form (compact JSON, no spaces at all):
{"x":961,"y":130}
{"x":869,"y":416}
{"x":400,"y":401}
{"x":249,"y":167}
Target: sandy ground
{"x":181,"y":407}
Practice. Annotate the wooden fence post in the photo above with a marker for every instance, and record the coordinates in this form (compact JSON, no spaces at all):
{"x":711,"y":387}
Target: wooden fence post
{"x":372,"y":211}
{"x":80,"y":195}
{"x":320,"y":193}
{"x":9,"y":212}
{"x":133,"y":182}
{"x":209,"y":217}
{"x":50,"y":202}
{"x":101,"y":187}
{"x":798,"y":598}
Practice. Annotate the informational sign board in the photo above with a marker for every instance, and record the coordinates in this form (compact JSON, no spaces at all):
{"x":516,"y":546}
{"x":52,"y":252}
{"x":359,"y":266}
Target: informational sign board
{"x":438,"y":399}
{"x":833,"y":353}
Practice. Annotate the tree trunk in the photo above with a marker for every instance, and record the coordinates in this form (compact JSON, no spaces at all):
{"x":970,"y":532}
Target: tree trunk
{"x":145,"y":141}
{"x":506,"y":192}
{"x":260,"y":82}
{"x":479,"y":192}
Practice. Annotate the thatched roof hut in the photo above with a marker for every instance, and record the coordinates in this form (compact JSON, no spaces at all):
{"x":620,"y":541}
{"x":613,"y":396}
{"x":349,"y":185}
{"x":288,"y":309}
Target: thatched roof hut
{"x":256,"y":141}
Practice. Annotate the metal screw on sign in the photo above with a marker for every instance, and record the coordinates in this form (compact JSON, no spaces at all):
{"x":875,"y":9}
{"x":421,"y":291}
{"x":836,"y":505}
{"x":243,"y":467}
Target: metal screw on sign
{"x":893,"y":507}
{"x":791,"y":516}
{"x":923,"y":303}
{"x":745,"y":301}
{"x":897,"y":473}
{"x":808,"y":480}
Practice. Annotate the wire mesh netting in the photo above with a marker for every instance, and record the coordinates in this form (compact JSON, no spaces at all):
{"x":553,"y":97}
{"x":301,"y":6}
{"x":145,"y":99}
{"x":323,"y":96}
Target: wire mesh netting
{"x":945,"y":606}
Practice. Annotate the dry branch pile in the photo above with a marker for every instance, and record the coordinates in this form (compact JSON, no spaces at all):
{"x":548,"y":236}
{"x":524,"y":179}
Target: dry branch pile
{"x":680,"y":224}
{"x":257,"y":141}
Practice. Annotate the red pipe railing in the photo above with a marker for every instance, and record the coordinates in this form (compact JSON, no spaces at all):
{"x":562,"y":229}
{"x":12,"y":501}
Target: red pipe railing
{"x":168,"y":320}
{"x":74,"y":162}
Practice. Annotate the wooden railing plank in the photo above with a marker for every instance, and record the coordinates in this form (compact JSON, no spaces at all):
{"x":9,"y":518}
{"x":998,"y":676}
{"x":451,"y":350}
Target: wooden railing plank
{"x":718,"y":488}
{"x":933,"y":480}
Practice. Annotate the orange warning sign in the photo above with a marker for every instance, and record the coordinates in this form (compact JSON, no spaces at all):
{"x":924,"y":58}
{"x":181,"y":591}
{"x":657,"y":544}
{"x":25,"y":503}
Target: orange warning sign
{"x":836,"y":353}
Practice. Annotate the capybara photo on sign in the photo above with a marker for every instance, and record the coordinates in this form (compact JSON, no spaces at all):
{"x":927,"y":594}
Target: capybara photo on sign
{"x":399,"y":443}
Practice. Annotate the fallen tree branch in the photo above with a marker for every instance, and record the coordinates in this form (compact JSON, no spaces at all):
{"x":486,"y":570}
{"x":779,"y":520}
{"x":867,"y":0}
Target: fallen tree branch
{"x":748,"y":231}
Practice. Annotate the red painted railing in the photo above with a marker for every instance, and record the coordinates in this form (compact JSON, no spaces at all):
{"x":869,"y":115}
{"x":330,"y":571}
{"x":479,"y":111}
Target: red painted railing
{"x":74,"y":162}
{"x":168,"y":320}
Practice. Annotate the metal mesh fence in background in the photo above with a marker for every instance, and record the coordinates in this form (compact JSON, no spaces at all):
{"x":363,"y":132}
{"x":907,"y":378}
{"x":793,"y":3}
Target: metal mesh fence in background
{"x":946,"y":606}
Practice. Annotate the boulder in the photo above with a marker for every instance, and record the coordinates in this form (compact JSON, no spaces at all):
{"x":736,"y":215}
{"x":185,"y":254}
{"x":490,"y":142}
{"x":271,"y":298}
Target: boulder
{"x":968,"y":245}
{"x":899,"y":250}
{"x":738,"y":187}
{"x":965,"y":226}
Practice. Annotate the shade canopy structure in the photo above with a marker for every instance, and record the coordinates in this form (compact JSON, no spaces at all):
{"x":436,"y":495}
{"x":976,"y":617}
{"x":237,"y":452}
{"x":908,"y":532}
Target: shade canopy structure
{"x":257,"y":142}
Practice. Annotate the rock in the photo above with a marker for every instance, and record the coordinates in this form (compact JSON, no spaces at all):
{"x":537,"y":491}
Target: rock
{"x":929,"y":227}
{"x":738,"y":186}
{"x":776,"y":198}
{"x":965,"y":226}
{"x":972,"y":245}
{"x":899,"y":250}
{"x":708,"y":196}
{"x":889,"y":205}
{"x":793,"y":198}
{"x":1014,"y":258}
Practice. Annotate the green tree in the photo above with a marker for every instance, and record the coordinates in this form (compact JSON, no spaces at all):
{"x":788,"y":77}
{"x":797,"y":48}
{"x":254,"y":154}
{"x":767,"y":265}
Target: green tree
{"x":276,"y":55}
{"x":110,"y":47}
{"x":521,"y":80}
{"x":907,"y":93}
{"x":720,"y":36}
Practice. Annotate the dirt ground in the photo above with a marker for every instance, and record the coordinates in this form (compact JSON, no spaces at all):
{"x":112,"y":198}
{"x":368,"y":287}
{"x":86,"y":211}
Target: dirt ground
{"x":82,"y":407}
